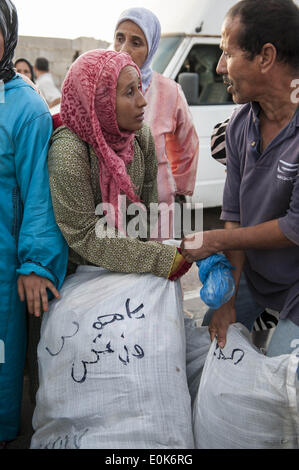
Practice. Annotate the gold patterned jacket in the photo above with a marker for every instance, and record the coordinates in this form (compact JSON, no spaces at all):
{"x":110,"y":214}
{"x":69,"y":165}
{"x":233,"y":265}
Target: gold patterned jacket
{"x":75,"y":190}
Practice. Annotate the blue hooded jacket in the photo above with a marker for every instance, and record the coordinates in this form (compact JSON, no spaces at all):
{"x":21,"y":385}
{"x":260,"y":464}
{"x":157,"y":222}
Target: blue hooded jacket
{"x":30,"y":240}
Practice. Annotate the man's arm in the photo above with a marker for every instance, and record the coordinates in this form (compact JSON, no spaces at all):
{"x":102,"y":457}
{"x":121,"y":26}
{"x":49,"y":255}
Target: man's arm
{"x":232,"y":240}
{"x":265,"y":236}
{"x":226,"y":314}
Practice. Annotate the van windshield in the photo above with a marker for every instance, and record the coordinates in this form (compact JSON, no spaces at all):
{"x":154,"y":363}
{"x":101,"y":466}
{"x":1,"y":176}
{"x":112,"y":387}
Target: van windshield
{"x":167,"y":47}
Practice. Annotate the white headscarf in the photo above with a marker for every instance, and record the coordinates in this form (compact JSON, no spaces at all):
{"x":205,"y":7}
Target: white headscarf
{"x":150,"y":25}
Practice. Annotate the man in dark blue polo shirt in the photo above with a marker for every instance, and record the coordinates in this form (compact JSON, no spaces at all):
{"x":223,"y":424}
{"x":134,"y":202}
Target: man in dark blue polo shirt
{"x":260,"y":65}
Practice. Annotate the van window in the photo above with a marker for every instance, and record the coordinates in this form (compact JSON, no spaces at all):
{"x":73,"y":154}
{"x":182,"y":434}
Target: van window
{"x":204,"y":86}
{"x":167,"y":47}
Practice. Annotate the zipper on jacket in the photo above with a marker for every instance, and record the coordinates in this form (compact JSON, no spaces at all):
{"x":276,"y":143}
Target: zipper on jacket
{"x":17,"y":213}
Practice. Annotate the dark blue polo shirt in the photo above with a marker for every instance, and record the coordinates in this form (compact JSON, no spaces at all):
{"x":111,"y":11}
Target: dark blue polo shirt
{"x":261,"y":187}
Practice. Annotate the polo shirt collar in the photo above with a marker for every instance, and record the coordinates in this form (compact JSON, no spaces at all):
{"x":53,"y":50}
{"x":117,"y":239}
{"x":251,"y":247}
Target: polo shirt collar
{"x":256,"y":109}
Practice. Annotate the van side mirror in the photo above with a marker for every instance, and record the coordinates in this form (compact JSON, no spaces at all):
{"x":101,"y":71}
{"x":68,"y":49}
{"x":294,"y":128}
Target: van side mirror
{"x":190,"y":84}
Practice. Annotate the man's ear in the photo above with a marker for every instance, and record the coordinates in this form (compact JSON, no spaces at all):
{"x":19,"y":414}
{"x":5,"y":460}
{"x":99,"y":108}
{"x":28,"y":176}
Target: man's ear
{"x":267,"y":57}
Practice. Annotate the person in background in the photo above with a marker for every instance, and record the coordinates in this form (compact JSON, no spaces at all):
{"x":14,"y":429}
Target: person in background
{"x":45,"y":82}
{"x":99,"y":151}
{"x":33,"y":252}
{"x":259,"y":64}
{"x":24,"y":67}
{"x":138,"y":33}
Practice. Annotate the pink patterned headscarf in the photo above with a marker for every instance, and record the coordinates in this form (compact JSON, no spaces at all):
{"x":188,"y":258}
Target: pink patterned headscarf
{"x":88,"y":108}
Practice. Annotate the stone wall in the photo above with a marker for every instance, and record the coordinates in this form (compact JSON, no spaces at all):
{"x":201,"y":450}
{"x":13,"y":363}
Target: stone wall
{"x":59,"y":52}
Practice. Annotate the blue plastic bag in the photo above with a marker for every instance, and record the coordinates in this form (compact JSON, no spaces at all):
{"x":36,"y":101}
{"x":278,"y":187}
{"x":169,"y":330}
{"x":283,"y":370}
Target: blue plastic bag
{"x":215,"y":273}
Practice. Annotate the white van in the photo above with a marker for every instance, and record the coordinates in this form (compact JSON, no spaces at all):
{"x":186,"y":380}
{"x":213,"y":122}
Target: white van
{"x":189,"y":54}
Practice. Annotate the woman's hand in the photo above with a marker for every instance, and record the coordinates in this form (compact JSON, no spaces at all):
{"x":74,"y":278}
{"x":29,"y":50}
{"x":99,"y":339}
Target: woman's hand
{"x":179,"y":267}
{"x":34,"y":289}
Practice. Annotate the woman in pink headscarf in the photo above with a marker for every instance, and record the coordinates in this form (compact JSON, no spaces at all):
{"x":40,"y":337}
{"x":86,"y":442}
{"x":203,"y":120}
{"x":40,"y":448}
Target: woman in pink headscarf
{"x":138,"y":33}
{"x":101,"y":153}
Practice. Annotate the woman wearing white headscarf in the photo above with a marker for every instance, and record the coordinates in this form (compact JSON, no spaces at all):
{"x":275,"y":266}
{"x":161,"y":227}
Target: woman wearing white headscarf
{"x":138,"y":33}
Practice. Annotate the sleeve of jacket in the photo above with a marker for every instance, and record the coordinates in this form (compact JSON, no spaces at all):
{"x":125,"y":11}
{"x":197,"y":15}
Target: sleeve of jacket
{"x":41,"y":247}
{"x":150,"y":187}
{"x":182,"y":147}
{"x":149,"y":194}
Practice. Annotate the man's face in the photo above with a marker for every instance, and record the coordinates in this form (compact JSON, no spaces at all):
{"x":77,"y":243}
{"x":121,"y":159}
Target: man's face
{"x":239,"y":74}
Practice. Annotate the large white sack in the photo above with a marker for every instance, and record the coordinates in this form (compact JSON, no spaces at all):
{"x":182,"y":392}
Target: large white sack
{"x":245,"y":399}
{"x":124,"y":389}
{"x":198,"y":344}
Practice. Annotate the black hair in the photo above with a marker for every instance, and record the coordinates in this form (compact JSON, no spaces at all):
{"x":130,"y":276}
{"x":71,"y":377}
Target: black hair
{"x":42,"y":64}
{"x":21,"y":59}
{"x":269,"y":21}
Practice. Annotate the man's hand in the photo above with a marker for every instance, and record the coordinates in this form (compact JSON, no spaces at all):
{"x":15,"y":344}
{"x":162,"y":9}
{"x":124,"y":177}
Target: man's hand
{"x":222,"y":318}
{"x":34,"y":289}
{"x":199,"y":245}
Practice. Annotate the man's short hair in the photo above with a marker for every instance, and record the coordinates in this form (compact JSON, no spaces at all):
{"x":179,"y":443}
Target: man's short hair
{"x":42,"y":64}
{"x":269,"y":21}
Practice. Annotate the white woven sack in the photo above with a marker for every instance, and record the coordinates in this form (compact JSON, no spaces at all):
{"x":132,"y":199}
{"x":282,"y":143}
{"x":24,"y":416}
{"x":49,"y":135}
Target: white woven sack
{"x":112,"y":365}
{"x":197,"y":347}
{"x":246,"y":400}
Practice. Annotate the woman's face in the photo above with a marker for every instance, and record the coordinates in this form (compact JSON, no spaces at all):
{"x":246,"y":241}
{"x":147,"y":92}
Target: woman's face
{"x":23,"y":68}
{"x":130,"y":101}
{"x":1,"y":45}
{"x":131,"y":39}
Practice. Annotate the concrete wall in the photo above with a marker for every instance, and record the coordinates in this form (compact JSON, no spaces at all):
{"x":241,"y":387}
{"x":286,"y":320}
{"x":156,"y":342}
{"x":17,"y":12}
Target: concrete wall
{"x":59,"y":52}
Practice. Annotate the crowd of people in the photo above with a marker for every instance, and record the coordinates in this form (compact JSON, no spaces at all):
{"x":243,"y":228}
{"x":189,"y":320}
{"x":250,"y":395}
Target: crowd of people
{"x":41,"y":76}
{"x":124,"y":130}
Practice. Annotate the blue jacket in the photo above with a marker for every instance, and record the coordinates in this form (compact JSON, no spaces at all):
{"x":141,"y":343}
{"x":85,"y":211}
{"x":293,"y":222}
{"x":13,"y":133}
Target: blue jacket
{"x":30,"y":240}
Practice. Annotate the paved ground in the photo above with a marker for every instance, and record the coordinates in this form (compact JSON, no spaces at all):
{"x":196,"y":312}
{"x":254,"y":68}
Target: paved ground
{"x":193,"y":307}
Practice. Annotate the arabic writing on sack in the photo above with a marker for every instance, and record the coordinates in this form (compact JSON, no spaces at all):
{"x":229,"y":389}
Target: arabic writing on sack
{"x":67,"y":441}
{"x":236,"y":356}
{"x":80,"y":373}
